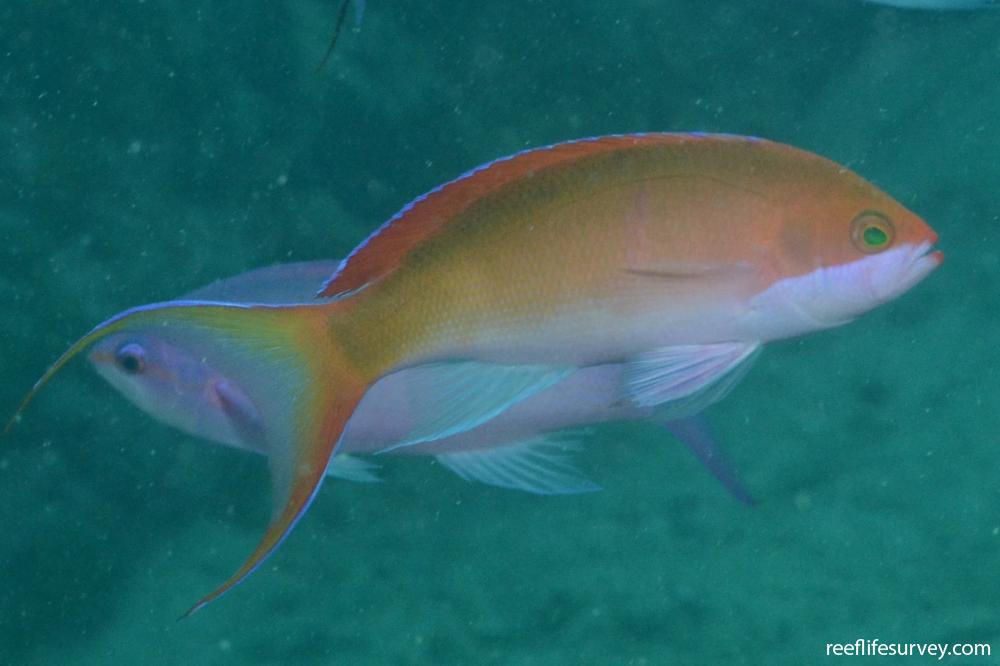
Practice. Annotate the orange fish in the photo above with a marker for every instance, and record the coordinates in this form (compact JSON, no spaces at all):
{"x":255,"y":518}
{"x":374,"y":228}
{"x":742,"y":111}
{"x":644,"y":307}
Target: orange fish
{"x":676,"y":255}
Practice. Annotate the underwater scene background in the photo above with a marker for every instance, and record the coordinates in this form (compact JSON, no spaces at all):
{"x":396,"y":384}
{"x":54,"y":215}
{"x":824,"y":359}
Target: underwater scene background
{"x":151,"y":147}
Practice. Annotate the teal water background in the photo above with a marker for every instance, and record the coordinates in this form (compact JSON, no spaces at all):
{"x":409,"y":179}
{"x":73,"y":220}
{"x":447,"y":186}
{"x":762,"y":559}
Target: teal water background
{"x":150,"y":147}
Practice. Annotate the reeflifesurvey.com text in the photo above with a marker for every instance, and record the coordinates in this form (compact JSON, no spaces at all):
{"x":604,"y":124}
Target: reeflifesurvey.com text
{"x":874,"y":647}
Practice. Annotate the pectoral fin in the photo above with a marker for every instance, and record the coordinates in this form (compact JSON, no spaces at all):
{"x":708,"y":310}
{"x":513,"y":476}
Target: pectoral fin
{"x":686,"y":378}
{"x":242,"y":414}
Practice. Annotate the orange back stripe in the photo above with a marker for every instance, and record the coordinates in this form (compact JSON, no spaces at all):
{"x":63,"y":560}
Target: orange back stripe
{"x":427,"y":215}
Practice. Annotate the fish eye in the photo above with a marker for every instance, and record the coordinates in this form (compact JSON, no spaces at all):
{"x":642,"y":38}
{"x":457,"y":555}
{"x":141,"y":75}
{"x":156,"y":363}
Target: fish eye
{"x":131,"y":358}
{"x":872,"y":232}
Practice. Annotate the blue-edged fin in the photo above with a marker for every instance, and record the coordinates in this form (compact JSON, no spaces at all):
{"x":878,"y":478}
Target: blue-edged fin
{"x":444,"y":399}
{"x":696,"y":434}
{"x":539,"y":465}
{"x":684,"y":379}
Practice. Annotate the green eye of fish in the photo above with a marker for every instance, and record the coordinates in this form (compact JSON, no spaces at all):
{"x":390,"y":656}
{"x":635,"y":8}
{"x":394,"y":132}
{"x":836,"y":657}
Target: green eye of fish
{"x":872,"y":232}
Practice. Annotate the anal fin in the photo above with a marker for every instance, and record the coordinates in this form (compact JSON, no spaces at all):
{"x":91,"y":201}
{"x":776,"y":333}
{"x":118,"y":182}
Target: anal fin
{"x":539,"y":465}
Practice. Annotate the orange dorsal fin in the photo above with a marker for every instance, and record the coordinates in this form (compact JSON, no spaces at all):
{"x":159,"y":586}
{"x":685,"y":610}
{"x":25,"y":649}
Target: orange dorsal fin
{"x":385,"y":249}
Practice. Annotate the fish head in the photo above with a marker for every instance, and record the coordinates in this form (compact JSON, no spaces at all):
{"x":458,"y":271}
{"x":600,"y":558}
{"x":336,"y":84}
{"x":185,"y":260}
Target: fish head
{"x":175,"y":385}
{"x":841,"y":247}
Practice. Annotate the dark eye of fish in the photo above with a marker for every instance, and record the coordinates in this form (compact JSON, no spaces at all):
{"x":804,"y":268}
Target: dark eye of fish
{"x":131,"y":358}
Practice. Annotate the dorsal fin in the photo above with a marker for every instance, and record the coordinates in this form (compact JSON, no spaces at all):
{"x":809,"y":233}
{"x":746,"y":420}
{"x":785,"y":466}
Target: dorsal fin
{"x":280,"y":284}
{"x":384,"y":250}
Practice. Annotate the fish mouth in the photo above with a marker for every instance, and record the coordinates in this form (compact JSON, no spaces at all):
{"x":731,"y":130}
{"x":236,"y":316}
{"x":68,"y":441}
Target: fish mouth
{"x":917,"y":264}
{"x":886,"y":276}
{"x":926,"y":254}
{"x":928,"y":251}
{"x":935,"y":255}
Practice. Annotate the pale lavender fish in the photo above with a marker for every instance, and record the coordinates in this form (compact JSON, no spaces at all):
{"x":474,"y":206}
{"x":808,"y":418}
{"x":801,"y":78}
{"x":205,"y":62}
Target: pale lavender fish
{"x":523,"y":448}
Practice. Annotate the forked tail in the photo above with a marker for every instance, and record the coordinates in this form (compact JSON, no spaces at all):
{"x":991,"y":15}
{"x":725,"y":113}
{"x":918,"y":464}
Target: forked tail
{"x":286,"y":360}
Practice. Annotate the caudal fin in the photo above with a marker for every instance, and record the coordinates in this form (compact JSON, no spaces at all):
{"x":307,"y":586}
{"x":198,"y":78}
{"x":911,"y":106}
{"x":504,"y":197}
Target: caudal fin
{"x":284,"y":359}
